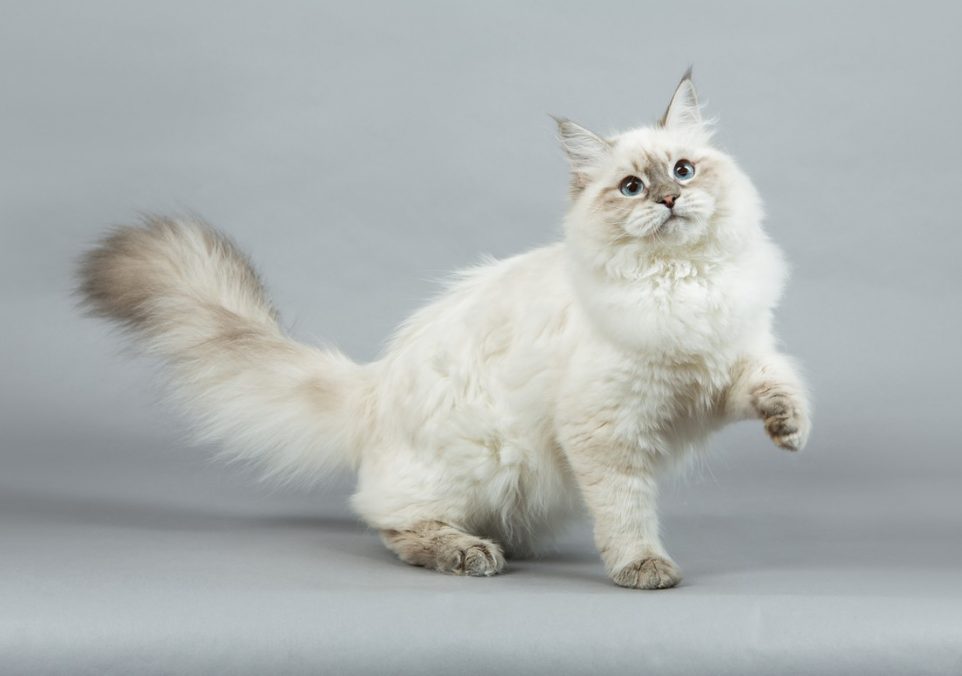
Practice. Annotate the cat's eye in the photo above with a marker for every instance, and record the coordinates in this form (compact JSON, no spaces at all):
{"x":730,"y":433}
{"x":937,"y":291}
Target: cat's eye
{"x":632,"y":186}
{"x":684,"y":170}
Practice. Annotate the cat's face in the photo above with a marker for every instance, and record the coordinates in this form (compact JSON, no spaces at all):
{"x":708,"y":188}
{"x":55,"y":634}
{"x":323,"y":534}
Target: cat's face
{"x":661,"y":188}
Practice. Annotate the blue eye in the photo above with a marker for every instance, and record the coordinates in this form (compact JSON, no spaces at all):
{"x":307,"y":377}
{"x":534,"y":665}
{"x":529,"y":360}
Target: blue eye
{"x":684,"y":170}
{"x":632,"y":186}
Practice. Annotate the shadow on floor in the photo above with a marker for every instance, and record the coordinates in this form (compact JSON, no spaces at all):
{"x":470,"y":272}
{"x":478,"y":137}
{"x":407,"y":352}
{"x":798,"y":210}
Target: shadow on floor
{"x":158,"y":516}
{"x":700,"y":543}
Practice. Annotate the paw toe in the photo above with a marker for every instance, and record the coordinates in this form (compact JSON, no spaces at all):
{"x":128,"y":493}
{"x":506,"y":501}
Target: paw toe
{"x":650,"y":573}
{"x":477,"y":559}
{"x":785,"y":420}
{"x":790,"y":441}
{"x":482,"y":561}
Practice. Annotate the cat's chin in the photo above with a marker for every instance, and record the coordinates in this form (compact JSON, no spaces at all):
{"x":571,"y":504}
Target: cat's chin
{"x":670,"y":224}
{"x":677,"y":230}
{"x":674,"y":230}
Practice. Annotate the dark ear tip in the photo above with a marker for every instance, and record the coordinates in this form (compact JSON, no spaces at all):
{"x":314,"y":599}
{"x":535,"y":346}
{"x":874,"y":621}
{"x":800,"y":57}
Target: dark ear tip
{"x":687,"y":75}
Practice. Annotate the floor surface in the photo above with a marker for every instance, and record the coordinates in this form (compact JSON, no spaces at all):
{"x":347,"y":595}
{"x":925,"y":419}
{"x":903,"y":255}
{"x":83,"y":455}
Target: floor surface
{"x":174,"y":565}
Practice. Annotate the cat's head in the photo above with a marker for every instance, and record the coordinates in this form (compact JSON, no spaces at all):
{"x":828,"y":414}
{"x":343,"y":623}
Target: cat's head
{"x":660,"y":190}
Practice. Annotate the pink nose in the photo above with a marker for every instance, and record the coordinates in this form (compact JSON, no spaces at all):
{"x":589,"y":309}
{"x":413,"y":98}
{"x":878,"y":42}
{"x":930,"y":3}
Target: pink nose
{"x":669,"y":200}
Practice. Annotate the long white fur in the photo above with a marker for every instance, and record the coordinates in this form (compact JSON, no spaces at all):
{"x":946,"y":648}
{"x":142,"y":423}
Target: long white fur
{"x":572,"y":374}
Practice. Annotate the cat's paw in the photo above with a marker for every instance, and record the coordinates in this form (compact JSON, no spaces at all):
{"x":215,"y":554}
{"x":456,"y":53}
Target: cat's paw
{"x":471,"y":556}
{"x":784,"y":417}
{"x":653,"y":572}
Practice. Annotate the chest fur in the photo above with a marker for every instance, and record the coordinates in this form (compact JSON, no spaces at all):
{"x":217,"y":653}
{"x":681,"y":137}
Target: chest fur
{"x":677,"y":313}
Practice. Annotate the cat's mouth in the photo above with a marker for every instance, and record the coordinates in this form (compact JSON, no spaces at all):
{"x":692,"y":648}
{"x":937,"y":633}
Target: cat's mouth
{"x":671,"y":221}
{"x":658,"y":224}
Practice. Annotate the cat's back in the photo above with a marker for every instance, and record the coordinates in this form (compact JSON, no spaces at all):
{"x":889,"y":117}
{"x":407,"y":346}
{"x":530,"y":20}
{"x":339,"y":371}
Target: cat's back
{"x":497,"y":335}
{"x":486,"y":307}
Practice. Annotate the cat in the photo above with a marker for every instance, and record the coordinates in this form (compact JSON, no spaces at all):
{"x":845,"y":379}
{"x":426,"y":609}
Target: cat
{"x":569,"y":376}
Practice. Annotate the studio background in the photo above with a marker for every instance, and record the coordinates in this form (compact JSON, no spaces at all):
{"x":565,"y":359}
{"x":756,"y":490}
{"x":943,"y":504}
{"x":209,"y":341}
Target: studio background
{"x":360,"y":152}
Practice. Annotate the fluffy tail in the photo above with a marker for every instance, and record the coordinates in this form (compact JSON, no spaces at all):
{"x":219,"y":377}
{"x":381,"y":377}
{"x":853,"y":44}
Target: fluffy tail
{"x":190,"y":297}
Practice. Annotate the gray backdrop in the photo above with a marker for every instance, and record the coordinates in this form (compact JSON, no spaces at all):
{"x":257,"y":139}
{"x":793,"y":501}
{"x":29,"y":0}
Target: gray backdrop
{"x":360,"y":151}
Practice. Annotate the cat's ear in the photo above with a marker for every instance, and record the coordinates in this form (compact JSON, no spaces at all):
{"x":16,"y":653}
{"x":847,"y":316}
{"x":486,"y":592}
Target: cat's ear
{"x":585,"y":149}
{"x":683,"y":111}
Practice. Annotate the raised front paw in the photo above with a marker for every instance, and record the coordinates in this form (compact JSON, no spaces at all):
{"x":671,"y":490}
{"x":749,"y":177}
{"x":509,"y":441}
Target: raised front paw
{"x":784,"y":415}
{"x":653,"y":572}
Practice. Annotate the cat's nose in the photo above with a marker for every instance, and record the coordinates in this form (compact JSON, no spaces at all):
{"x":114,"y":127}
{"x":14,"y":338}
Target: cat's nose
{"x":669,"y":200}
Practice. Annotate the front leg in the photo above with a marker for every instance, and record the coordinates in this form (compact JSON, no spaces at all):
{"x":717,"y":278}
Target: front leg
{"x":769,"y":387}
{"x":617,"y":481}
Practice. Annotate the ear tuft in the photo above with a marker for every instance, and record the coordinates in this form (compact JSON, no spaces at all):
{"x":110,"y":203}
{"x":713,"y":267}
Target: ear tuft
{"x":584,"y":148}
{"x":683,"y":111}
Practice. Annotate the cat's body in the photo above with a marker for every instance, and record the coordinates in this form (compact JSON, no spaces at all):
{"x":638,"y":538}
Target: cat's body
{"x":576,"y":371}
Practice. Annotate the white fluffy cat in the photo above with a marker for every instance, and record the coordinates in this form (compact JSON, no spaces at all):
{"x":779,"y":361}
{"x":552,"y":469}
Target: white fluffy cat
{"x":575,"y":372}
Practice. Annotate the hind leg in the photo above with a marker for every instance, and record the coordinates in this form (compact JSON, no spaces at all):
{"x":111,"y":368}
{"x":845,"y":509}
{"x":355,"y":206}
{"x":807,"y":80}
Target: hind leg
{"x":444,"y":548}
